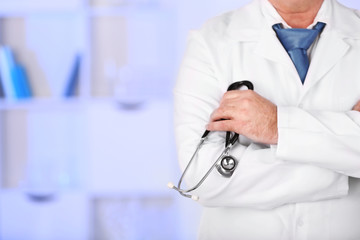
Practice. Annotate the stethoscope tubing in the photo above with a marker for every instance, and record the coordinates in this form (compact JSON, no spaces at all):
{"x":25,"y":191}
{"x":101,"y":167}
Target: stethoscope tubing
{"x":217,"y":162}
{"x":229,"y":143}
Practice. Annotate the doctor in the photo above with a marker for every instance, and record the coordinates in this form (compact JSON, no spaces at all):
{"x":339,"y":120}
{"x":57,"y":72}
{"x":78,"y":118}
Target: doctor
{"x":299,"y":153}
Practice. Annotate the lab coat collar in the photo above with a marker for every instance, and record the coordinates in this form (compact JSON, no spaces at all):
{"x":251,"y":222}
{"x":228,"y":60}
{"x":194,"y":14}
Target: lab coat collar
{"x":247,"y":24}
{"x":327,"y":54}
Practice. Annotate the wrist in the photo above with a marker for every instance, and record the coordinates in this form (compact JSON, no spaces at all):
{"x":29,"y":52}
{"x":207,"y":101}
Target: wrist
{"x":275,"y":131}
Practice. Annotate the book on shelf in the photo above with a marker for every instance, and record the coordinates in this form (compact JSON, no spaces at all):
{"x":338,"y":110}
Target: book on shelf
{"x":6,"y":64}
{"x":19,"y":79}
{"x":24,"y":82}
{"x":13,"y":76}
{"x":73,"y":81}
{"x":1,"y":89}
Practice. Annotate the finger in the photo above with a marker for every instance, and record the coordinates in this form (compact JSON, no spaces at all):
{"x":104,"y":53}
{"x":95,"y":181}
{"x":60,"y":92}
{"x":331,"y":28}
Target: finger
{"x":239,"y":98}
{"x":227,"y":97}
{"x":224,"y":125}
{"x":357,"y":107}
{"x":222,"y":113}
{"x":237,"y":94}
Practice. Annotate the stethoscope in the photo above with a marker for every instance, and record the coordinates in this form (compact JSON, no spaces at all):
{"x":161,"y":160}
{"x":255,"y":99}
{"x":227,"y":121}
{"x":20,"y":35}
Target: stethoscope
{"x":225,"y":163}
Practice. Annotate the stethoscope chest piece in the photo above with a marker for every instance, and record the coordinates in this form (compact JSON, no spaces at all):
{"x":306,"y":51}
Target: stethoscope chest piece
{"x":227,"y":166}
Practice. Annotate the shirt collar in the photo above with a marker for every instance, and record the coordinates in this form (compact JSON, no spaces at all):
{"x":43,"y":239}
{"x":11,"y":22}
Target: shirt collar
{"x":274,"y":17}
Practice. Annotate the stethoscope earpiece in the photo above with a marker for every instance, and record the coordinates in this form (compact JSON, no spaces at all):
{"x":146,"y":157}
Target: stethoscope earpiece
{"x":170,"y":185}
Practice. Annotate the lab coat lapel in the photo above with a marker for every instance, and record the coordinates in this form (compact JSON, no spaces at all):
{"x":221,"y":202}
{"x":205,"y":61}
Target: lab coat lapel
{"x":270,"y":47}
{"x":245,"y":27}
{"x":330,"y":49}
{"x":249,"y":26}
{"x":332,"y":46}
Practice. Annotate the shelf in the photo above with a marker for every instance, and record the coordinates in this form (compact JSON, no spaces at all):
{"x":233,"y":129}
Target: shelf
{"x":124,"y":10}
{"x":166,"y":193}
{"x":40,"y":104}
{"x":71,"y":103}
{"x":78,"y":147}
{"x":24,"y":7}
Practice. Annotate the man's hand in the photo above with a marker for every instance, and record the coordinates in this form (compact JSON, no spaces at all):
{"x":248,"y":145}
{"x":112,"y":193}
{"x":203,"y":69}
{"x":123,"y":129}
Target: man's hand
{"x":357,"y":107}
{"x":246,"y":113}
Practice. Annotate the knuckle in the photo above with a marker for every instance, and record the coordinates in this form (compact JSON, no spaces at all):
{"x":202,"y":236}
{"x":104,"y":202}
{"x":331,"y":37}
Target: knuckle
{"x":248,"y":93}
{"x":221,"y":124}
{"x":218,"y":113}
{"x":214,"y":114}
{"x":228,"y":95}
{"x":221,"y":111}
{"x":246,"y":102}
{"x":226,"y":125}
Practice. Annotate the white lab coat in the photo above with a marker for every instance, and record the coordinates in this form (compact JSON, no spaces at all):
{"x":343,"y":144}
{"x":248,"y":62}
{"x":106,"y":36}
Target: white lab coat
{"x":305,"y":187}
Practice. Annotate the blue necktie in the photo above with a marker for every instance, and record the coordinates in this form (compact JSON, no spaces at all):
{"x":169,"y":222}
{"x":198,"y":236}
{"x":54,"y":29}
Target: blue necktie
{"x":297,"y":41}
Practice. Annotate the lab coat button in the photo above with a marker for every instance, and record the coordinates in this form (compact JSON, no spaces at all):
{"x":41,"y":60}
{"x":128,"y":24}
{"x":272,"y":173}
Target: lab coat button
{"x":300,"y":222}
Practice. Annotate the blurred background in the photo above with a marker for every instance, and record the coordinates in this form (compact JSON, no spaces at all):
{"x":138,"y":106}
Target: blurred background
{"x":86,"y":136}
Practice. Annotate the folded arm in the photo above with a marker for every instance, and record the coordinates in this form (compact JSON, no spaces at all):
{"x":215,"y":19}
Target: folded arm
{"x":264,"y":178}
{"x":326,"y":139}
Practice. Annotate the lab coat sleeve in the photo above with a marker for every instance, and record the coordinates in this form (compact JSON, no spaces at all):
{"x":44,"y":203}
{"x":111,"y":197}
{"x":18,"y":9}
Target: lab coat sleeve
{"x":261,"y":180}
{"x":326,"y":139}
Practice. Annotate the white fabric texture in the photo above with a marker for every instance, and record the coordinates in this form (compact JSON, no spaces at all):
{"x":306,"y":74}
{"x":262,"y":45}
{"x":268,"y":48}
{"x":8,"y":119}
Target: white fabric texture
{"x":300,"y":188}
